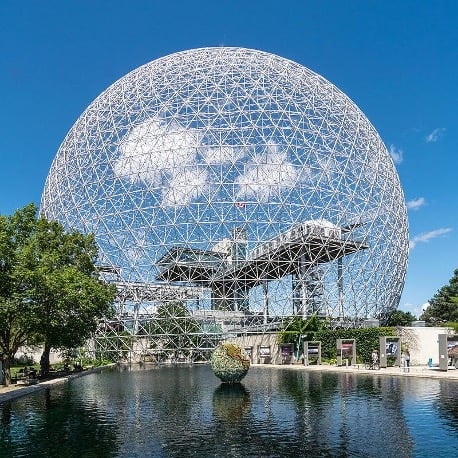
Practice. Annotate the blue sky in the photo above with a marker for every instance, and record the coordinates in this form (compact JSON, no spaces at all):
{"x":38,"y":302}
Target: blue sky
{"x":397,"y":60}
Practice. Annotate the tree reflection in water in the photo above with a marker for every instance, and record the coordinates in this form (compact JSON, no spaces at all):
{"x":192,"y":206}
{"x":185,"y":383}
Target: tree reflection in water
{"x":352,"y":413}
{"x":186,"y":411}
{"x":51,"y":423}
{"x":447,"y":402}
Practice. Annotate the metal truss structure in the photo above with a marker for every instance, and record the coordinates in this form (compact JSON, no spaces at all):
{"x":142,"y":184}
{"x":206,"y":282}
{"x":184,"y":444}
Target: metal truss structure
{"x":229,"y":189}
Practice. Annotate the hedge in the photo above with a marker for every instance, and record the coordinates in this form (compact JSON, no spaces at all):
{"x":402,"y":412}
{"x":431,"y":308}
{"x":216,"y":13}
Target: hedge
{"x":367,"y":339}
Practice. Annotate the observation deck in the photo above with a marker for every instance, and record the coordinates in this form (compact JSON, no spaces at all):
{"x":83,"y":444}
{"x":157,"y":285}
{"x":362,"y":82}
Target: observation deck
{"x":303,"y":245}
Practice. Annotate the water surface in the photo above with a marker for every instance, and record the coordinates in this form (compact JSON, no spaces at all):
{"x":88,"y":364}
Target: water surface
{"x":185,"y":411}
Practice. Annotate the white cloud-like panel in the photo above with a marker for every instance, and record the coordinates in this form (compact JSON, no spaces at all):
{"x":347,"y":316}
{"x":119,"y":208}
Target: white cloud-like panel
{"x":269,"y":174}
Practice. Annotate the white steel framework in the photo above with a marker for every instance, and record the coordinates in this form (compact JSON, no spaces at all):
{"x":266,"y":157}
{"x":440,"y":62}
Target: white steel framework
{"x":227,"y":189}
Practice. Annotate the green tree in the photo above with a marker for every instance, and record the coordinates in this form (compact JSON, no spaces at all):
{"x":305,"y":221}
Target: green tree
{"x":399,"y":318}
{"x":443,"y":307}
{"x":17,"y":319}
{"x":173,"y":330}
{"x":114,"y":346}
{"x":53,"y":295}
{"x":297,"y":330}
{"x":58,"y":269}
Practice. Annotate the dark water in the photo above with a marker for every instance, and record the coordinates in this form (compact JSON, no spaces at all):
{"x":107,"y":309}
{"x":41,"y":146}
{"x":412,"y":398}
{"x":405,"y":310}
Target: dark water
{"x":184,"y":411}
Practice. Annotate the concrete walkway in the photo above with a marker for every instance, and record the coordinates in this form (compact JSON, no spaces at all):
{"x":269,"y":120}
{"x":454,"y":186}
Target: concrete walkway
{"x":413,"y":371}
{"x":16,"y":391}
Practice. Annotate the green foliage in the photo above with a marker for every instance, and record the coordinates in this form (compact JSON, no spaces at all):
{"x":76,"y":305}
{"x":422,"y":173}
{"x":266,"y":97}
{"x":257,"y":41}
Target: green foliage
{"x":453,"y":325}
{"x":114,"y":347}
{"x":296,"y":330}
{"x":18,"y":322}
{"x":82,"y":357}
{"x":444,"y":305}
{"x":49,"y":287}
{"x":173,"y":328}
{"x":16,"y":370}
{"x":367,"y":339}
{"x":400,"y":318}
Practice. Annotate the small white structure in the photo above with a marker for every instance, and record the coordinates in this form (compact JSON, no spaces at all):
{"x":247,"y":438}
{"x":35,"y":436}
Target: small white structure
{"x":422,"y":343}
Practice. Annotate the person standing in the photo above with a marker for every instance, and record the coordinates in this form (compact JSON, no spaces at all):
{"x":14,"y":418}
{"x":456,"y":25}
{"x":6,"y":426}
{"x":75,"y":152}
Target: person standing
{"x":374,"y":359}
{"x":407,"y":359}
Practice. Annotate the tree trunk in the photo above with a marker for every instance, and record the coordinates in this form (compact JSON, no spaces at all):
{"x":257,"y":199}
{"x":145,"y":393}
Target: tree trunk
{"x":44,"y":361}
{"x":6,"y":370}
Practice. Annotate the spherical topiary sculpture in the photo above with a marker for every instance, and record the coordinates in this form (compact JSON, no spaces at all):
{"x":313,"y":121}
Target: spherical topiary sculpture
{"x":230,"y":363}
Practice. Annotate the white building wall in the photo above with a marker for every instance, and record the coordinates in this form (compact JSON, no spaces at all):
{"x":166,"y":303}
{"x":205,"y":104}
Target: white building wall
{"x":34,"y":353}
{"x":257,"y":341}
{"x":423,"y":343}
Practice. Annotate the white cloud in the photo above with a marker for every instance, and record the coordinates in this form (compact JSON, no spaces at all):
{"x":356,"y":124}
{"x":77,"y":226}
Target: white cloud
{"x":328,"y":167}
{"x":185,"y":186}
{"x":151,"y":148}
{"x":268,"y":175}
{"x":435,"y":135}
{"x":415,"y":204}
{"x":427,"y":236}
{"x":169,"y":157}
{"x":166,"y":156}
{"x":396,"y":154}
{"x":221,"y":154}
{"x":408,"y":307}
{"x":415,"y":310}
{"x":134,"y":254}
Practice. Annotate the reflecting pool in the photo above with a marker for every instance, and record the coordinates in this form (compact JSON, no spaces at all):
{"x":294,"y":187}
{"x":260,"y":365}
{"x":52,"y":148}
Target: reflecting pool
{"x":184,"y":411}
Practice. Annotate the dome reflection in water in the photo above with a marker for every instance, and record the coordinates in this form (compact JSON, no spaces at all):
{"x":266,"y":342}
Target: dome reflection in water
{"x":184,"y":411}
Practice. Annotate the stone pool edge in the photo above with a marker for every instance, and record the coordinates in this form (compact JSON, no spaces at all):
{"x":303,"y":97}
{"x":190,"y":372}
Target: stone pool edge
{"x":414,"y":371}
{"x":20,"y":391}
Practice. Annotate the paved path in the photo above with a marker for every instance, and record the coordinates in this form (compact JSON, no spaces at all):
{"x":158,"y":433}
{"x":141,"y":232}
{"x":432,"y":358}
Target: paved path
{"x":16,"y":391}
{"x":413,"y":371}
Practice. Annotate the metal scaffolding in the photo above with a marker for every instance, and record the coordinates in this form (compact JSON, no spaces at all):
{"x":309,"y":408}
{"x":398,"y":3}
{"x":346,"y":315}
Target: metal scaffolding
{"x":228,"y":189}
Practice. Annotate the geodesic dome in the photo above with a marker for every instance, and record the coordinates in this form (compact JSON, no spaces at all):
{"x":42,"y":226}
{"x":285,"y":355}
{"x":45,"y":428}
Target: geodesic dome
{"x":243,"y":176}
